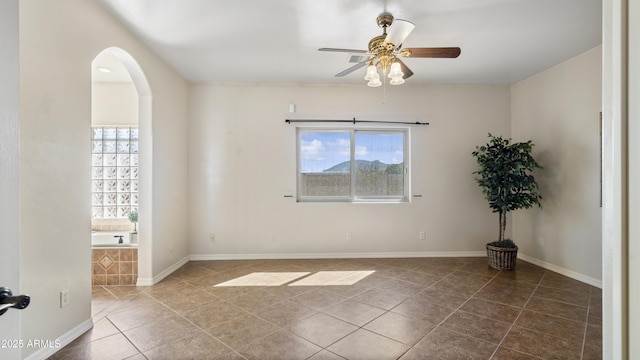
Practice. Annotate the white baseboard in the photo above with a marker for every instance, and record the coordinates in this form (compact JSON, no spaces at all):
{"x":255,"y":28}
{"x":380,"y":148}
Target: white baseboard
{"x":560,"y":270}
{"x":543,"y":264}
{"x":166,"y":272}
{"x":370,"y":255}
{"x":62,"y":341}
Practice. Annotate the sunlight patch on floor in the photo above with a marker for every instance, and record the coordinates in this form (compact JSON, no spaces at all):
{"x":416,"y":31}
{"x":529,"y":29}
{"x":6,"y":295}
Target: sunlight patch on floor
{"x":264,"y":279}
{"x":321,"y":278}
{"x":326,"y":278}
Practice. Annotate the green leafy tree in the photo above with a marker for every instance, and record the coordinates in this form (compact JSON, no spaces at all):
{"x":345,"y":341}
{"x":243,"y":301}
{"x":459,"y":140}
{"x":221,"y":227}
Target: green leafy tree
{"x":395,"y":169}
{"x":505,"y":177}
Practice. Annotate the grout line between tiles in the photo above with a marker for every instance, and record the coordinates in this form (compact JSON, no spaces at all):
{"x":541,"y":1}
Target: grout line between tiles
{"x":518,"y":317}
{"x":191,"y":279}
{"x":455,"y":310}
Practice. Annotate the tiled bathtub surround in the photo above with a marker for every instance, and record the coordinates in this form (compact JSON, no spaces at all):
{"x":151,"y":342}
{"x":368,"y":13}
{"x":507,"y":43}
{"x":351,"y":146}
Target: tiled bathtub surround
{"x":114,"y":266}
{"x":432,"y":308}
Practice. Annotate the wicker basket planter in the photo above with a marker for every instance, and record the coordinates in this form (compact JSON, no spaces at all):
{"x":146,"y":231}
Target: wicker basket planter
{"x":501,"y":258}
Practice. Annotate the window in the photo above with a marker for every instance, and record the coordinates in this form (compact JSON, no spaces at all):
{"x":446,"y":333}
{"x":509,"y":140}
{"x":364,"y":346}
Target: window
{"x":114,"y":172}
{"x":352,"y":165}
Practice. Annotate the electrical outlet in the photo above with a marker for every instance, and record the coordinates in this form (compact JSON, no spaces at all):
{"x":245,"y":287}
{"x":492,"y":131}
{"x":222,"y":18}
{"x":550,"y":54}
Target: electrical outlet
{"x":64,"y":298}
{"x":212,"y":237}
{"x":272,"y":237}
{"x":540,"y":241}
{"x":348,"y":236}
{"x":422,"y":235}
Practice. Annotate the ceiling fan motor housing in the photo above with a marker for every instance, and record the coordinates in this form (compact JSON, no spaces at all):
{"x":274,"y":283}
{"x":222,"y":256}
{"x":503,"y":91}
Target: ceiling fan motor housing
{"x":384,"y":20}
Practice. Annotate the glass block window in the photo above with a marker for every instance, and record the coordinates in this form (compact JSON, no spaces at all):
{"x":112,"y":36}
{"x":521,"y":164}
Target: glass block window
{"x":114,"y":172}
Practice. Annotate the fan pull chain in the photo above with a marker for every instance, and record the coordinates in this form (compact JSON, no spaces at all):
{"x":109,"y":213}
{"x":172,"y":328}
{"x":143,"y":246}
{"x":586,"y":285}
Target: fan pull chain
{"x":384,"y":90}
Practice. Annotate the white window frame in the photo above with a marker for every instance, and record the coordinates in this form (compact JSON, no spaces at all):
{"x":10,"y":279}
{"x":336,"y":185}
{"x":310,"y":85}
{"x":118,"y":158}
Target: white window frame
{"x":352,"y":198}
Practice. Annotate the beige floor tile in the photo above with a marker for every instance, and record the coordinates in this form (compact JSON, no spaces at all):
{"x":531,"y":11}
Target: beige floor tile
{"x":566,"y":296}
{"x":403,"y":287}
{"x":448,"y":298}
{"x":445,"y":344}
{"x":256,"y":300}
{"x":559,"y":309}
{"x":542,"y":345}
{"x":482,"y":328}
{"x":407,"y":330}
{"x":111,"y":347}
{"x":507,"y":354}
{"x":365,"y":345}
{"x":199,"y":345}
{"x":139,"y":316}
{"x":354,"y":312}
{"x":160,"y":332}
{"x":319,"y":299}
{"x":592,"y":353}
{"x":326,"y":355}
{"x":418,"y":277}
{"x":408,"y":308}
{"x":281,"y":345}
{"x":322,"y":330}
{"x":491,"y":310}
{"x":423,"y":309}
{"x":507,"y":292}
{"x":381,"y":298}
{"x":213,"y":314}
{"x":551,"y":325}
{"x":242,"y":331}
{"x":286,"y":313}
{"x":101,"y":329}
{"x":558,"y":281}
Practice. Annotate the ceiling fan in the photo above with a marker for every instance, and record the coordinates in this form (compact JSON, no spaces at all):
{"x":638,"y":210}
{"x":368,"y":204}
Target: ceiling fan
{"x":384,"y":52}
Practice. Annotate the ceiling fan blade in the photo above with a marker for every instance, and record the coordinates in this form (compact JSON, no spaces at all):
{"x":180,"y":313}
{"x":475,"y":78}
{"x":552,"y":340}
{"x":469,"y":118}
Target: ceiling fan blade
{"x":405,"y":69}
{"x":442,"y":52}
{"x":343,"y":50}
{"x":352,"y":69}
{"x":398,"y":31}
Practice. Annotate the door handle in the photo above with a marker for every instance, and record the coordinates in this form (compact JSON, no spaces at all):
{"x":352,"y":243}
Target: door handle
{"x":7,"y":300}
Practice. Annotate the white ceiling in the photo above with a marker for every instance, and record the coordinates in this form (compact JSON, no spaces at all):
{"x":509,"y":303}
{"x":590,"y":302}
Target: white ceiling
{"x":237,"y":41}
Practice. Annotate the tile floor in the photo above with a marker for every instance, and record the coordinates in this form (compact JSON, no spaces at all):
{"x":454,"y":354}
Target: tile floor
{"x":372,"y":309}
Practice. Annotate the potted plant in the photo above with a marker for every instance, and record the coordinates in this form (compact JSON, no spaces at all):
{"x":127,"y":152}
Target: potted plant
{"x":507,"y":183}
{"x":133,"y":217}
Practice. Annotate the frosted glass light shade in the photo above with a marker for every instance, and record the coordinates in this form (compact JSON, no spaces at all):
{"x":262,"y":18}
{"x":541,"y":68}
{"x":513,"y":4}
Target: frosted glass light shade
{"x":374,"y":83}
{"x":396,"y":71}
{"x":372,"y":73}
{"x":397,"y":81}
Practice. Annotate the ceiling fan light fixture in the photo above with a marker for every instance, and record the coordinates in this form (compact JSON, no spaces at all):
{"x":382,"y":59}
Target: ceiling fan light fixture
{"x":397,"y":81}
{"x":395,"y":71}
{"x":374,"y":83}
{"x":372,"y":72}
{"x":384,"y":51}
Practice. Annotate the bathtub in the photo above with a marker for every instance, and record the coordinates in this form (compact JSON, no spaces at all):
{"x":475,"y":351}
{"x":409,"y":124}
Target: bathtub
{"x":109,"y":239}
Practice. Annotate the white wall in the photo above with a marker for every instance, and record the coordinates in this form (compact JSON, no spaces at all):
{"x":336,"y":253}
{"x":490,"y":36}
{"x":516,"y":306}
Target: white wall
{"x":9,"y":170}
{"x":242,"y":161}
{"x":559,"y":110}
{"x":56,"y":50}
{"x":114,"y":104}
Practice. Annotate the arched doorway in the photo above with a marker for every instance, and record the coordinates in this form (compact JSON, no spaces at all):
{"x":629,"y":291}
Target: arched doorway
{"x":133,"y":97}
